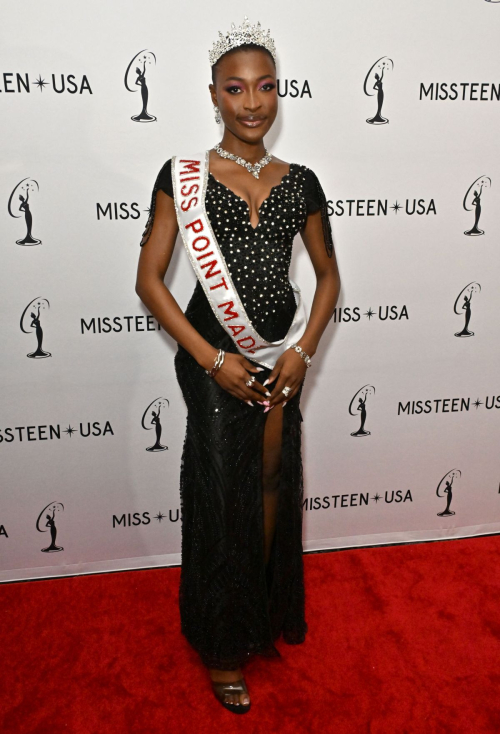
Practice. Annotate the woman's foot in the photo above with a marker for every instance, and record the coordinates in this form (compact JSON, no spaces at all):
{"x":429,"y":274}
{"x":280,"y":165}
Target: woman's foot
{"x":230,"y":677}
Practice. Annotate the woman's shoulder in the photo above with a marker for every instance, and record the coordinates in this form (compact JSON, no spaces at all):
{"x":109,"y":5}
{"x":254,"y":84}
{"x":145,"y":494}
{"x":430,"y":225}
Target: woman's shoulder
{"x":304,"y":172}
{"x":307,"y":176}
{"x":164,"y":178}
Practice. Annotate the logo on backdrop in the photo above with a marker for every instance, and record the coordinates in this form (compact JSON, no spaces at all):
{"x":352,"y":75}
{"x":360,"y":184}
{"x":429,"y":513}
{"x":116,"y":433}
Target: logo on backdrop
{"x":116,"y":324}
{"x":17,"y":83}
{"x":472,"y":201}
{"x":19,"y":201}
{"x":47,"y":521}
{"x":133,"y":519}
{"x":379,"y":207}
{"x":31,"y":320}
{"x":345,"y":314}
{"x":114,"y":211}
{"x":445,"y":489}
{"x":151,"y":418}
{"x":358,"y":405}
{"x":135,"y":77}
{"x":51,"y":431}
{"x":447,"y":405}
{"x":356,"y":499}
{"x":293,"y":88}
{"x":471,"y":91}
{"x":375,"y":81}
{"x":463,"y":303}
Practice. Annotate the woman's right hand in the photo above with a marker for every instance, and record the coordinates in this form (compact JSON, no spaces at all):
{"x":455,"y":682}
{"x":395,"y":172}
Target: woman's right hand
{"x":236,"y":370}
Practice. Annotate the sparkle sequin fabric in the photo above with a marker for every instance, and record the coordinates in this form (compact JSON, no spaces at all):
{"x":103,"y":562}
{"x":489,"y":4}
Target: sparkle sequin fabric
{"x":232,"y":606}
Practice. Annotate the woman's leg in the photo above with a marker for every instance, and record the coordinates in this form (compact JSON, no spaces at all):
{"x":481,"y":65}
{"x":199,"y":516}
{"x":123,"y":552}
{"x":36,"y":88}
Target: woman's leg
{"x":271,"y":468}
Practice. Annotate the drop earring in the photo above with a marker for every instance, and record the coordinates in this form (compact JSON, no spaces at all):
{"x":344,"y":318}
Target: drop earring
{"x":217,"y":115}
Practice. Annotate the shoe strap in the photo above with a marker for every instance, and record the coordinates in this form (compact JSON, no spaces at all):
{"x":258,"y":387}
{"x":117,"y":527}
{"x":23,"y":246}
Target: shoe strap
{"x":234,"y":686}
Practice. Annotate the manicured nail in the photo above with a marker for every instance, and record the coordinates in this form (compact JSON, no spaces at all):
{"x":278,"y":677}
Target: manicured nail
{"x":249,"y":402}
{"x":268,"y":408}
{"x":260,"y":369}
{"x":268,"y":394}
{"x":284,"y":403}
{"x":265,"y":383}
{"x":265,"y":402}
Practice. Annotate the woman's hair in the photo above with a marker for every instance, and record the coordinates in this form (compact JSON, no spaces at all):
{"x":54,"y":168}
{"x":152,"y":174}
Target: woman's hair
{"x":243,"y":47}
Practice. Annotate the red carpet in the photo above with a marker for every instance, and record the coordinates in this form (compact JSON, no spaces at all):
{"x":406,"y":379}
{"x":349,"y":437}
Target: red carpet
{"x":403,"y":640}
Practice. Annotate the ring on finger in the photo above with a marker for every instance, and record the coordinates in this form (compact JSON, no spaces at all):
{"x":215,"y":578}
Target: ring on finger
{"x":286,"y":390}
{"x":248,"y":383}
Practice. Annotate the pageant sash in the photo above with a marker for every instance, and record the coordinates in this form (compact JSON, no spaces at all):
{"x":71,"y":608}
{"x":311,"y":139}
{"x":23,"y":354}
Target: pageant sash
{"x":189,"y":178}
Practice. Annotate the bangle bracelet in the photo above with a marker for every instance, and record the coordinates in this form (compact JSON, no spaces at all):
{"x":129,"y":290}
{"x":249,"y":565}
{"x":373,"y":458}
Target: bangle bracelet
{"x":299,"y":350}
{"x":219,"y":359}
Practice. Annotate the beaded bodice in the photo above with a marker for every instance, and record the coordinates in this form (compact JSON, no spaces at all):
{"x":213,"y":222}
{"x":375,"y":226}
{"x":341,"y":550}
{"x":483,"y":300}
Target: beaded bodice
{"x":258,"y":258}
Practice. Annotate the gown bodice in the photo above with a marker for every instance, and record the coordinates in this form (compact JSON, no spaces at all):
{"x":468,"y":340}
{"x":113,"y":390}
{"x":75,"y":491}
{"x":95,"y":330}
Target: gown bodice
{"x":258,"y":259}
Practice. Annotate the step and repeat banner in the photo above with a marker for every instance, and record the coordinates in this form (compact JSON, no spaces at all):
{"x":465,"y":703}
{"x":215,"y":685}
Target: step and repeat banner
{"x":395,"y":106}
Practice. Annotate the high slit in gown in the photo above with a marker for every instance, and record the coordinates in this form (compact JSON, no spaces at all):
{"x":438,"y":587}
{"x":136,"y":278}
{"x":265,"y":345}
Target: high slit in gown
{"x":233,"y":606}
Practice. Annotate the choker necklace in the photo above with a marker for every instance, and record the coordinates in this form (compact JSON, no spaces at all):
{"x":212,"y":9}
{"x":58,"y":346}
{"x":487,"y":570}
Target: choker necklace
{"x":254,"y":169}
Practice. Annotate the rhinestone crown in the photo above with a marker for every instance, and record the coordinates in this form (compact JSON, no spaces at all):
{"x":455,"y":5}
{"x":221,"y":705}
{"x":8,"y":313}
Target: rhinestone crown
{"x":245,"y":33}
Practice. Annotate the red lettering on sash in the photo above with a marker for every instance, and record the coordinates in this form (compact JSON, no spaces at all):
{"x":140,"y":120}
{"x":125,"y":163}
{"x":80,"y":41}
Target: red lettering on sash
{"x":199,"y":249}
{"x":192,"y":166}
{"x":230,"y":314}
{"x":196,"y":225}
{"x":240,"y":342}
{"x":222,"y":283}
{"x":193,"y":189}
{"x":206,"y":254}
{"x":210,"y":265}
{"x":189,"y":204}
{"x":236,"y":329}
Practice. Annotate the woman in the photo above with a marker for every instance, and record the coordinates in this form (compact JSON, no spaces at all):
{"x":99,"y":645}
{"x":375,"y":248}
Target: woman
{"x":241,"y":475}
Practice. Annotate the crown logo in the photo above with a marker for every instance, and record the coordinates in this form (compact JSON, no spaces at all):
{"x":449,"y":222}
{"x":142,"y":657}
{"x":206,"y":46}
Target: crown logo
{"x":245,"y":33}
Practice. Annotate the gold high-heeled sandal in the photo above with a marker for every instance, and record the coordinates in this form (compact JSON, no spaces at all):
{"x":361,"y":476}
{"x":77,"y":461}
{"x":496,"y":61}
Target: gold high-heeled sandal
{"x":237,"y":686}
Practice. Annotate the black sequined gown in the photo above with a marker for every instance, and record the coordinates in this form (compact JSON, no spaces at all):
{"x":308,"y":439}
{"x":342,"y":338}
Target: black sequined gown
{"x":232,"y":606}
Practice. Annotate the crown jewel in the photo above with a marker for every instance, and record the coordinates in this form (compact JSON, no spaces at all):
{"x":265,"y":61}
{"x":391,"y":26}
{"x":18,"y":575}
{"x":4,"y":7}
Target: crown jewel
{"x":245,"y":33}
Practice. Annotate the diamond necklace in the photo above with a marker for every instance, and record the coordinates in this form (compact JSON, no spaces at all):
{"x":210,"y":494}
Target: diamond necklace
{"x":254,"y":169}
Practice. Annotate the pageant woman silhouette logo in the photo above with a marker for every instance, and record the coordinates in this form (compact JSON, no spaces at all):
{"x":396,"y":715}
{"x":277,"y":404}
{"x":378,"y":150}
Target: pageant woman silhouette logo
{"x":463,"y":303}
{"x":31,"y":321}
{"x":47,"y":522}
{"x":445,"y":489}
{"x":374,"y":84}
{"x":151,"y":418}
{"x":472,"y":202}
{"x":358,"y":405}
{"x":135,"y":77}
{"x":19,"y":206}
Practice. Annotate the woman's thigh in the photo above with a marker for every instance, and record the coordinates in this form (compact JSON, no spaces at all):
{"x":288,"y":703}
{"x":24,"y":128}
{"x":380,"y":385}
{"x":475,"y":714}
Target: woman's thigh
{"x":271,"y":458}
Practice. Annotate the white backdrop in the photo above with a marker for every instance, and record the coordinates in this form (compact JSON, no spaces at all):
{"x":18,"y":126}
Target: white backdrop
{"x":73,"y":438}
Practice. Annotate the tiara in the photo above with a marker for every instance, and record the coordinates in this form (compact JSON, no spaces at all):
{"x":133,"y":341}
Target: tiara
{"x":245,"y":33}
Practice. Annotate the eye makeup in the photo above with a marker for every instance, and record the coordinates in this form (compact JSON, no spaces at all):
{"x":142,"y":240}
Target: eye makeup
{"x":271,"y":85}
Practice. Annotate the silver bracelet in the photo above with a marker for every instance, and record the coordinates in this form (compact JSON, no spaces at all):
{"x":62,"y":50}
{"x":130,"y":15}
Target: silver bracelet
{"x":299,"y":350}
{"x":219,"y":359}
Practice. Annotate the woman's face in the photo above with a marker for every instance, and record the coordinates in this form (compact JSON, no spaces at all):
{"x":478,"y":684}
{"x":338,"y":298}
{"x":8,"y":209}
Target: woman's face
{"x":245,"y":93}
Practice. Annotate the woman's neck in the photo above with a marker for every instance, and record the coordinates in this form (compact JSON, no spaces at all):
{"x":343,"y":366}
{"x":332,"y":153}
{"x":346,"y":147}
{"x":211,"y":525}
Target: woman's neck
{"x":251,"y":152}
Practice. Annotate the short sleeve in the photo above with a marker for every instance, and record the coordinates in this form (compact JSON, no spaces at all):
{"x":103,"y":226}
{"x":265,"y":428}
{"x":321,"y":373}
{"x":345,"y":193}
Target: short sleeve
{"x":316,"y":199}
{"x":163,"y":182}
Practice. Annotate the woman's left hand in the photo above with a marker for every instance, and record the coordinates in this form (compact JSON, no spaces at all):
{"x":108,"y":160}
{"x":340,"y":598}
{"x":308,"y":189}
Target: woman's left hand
{"x":289,"y":371}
